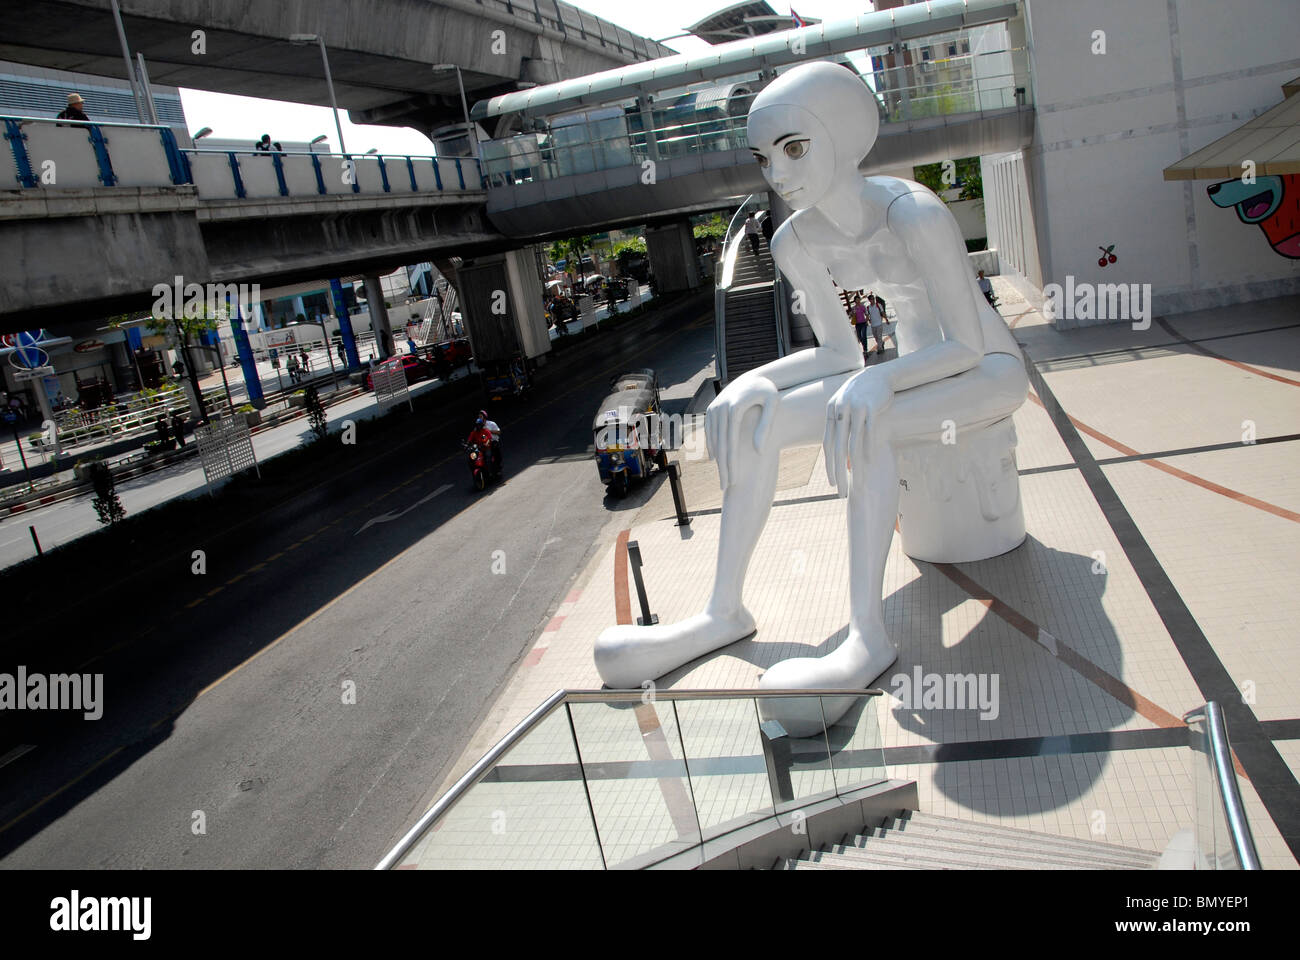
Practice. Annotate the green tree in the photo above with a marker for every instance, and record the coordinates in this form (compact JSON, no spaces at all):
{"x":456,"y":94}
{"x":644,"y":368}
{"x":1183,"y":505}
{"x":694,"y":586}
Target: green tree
{"x":108,"y":508}
{"x":185,"y":330}
{"x":712,"y":228}
{"x":316,"y":418}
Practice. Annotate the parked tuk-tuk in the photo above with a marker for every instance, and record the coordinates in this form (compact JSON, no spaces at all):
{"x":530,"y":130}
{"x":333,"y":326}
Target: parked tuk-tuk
{"x":503,"y":379}
{"x":628,"y":431}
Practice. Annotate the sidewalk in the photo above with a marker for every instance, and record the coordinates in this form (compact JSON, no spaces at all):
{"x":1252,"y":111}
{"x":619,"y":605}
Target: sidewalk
{"x":65,"y":521}
{"x":1068,"y":622}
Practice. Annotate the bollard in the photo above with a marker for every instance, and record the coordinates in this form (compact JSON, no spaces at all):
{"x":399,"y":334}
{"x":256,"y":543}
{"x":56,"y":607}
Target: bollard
{"x":776,"y":752}
{"x":39,"y":551}
{"x":634,"y":555}
{"x":679,"y":499}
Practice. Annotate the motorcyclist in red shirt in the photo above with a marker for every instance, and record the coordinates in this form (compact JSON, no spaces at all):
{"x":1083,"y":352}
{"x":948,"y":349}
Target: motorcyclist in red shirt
{"x":481,"y":434}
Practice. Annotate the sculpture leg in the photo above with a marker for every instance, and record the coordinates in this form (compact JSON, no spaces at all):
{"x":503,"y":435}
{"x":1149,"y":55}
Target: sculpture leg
{"x":867,"y":651}
{"x":627,"y":656}
{"x":990,"y":392}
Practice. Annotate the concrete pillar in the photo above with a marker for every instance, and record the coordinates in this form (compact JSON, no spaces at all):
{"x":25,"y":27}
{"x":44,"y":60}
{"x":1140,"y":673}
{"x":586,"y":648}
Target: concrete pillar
{"x":500,"y":299}
{"x":299,"y":307}
{"x":671,"y":249}
{"x":379,"y":316}
{"x":345,"y":325}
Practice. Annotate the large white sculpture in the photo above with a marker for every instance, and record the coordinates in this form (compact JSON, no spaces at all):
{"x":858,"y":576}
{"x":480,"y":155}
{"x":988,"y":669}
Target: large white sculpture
{"x":940,"y":409}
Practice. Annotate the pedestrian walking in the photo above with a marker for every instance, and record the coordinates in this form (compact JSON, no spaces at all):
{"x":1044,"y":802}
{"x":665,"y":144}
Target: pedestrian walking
{"x":178,"y":429}
{"x":343,"y":354}
{"x":752,"y":232}
{"x":861,"y":326}
{"x":73,"y":110}
{"x":306,"y":360}
{"x":293,"y":369}
{"x":877,"y":319}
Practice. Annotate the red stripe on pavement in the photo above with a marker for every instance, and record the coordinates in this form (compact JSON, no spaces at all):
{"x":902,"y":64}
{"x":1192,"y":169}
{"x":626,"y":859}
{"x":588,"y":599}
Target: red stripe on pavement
{"x":622,"y":599}
{"x":1192,"y":478}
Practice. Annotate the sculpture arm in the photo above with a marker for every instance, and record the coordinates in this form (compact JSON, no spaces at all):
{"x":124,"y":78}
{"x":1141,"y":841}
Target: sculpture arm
{"x":932,"y":237}
{"x":812,"y":288}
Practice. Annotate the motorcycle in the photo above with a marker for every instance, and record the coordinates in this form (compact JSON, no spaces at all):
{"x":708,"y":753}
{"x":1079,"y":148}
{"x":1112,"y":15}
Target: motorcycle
{"x":483,"y":466}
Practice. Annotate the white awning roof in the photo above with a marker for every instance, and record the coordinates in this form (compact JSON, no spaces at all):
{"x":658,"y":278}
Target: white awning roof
{"x":1271,"y":140}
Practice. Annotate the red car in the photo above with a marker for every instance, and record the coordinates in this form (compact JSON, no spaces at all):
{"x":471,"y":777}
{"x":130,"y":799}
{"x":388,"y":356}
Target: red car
{"x":457,"y":351}
{"x":416,"y":369}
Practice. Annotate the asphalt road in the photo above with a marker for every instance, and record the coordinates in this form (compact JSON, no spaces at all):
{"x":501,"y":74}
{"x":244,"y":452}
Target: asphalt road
{"x":294,"y":705}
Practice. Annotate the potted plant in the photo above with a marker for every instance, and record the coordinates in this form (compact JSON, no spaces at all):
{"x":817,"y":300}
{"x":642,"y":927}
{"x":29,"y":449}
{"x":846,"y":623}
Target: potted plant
{"x":298,"y":398}
{"x":251,"y":414}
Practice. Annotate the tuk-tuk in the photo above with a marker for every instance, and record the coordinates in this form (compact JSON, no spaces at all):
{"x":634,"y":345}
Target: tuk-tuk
{"x":628,"y":431}
{"x":506,"y":378}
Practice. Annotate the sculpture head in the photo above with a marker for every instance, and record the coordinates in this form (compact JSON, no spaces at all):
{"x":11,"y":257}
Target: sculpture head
{"x":810,"y":128}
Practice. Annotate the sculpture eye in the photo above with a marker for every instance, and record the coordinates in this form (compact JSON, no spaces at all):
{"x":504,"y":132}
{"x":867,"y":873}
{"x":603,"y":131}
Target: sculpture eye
{"x":796,"y":149}
{"x":762,"y":160}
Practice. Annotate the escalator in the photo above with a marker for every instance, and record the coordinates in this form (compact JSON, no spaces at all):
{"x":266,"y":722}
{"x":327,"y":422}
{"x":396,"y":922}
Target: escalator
{"x":750,"y":330}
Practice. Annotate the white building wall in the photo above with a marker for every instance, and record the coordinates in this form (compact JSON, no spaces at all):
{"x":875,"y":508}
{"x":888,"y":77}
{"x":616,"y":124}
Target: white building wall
{"x":1009,"y":215}
{"x":1176,"y":75}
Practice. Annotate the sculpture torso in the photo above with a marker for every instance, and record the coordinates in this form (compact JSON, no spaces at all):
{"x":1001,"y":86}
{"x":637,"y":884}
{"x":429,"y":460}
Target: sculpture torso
{"x":878,"y":259}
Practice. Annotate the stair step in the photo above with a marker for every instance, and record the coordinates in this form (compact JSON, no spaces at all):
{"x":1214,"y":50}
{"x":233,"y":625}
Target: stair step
{"x":895,"y":860}
{"x":1029,"y":845}
{"x":965,"y":847}
{"x":945,"y":858}
{"x":831,"y":862}
{"x":919,"y":818}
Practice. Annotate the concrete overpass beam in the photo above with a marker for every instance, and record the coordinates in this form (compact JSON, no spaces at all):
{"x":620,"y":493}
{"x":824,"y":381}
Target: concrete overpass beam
{"x":671,"y":249}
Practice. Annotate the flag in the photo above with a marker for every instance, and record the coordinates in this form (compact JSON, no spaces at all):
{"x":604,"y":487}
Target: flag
{"x":798,"y":20}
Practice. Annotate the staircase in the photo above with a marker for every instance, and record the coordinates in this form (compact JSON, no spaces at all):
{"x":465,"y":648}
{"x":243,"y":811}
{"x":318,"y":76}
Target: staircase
{"x":749,"y":312}
{"x":922,"y":841}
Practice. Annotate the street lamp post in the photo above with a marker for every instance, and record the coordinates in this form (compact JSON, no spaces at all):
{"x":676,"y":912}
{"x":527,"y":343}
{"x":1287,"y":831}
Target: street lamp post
{"x":299,"y":39}
{"x":470,"y":132}
{"x":141,"y":110}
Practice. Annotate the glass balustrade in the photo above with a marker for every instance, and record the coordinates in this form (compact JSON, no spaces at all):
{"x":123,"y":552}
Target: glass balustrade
{"x":624,"y":780}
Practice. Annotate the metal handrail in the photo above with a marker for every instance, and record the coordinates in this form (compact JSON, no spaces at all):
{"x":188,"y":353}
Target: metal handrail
{"x":558,"y":699}
{"x":1220,"y":759}
{"x":730,"y":251}
{"x":22,"y":119}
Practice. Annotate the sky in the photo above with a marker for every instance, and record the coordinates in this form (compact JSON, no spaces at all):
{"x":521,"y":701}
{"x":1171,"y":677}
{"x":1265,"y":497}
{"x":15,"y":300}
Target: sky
{"x":247,"y":118}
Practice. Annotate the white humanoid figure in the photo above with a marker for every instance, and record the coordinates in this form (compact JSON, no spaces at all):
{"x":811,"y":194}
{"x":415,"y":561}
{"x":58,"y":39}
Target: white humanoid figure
{"x":958,"y":368}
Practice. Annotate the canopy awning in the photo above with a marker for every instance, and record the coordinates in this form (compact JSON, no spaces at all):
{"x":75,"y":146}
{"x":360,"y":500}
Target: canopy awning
{"x":1271,"y":140}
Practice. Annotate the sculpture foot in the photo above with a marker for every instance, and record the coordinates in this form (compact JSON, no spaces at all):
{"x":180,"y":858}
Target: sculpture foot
{"x":852,"y":665}
{"x":627,"y":655}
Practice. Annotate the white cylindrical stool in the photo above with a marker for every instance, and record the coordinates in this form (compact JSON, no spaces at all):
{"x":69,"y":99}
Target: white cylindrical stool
{"x":960,"y":501}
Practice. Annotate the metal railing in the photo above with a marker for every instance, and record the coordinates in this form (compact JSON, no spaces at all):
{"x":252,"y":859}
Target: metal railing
{"x":1223,"y":837}
{"x":69,"y":154}
{"x":542,"y":155}
{"x":607,"y":778}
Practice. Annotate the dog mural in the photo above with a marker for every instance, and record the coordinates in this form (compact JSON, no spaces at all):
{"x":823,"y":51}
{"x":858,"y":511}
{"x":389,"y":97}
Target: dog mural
{"x":1272,"y":202}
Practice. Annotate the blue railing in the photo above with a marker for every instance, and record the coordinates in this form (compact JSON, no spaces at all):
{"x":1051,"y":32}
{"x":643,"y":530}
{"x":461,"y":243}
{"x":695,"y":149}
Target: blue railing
{"x":44,"y":153}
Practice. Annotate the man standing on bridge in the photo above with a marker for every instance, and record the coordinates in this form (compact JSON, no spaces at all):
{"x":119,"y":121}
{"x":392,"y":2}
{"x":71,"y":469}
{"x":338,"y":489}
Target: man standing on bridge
{"x":73,"y":110}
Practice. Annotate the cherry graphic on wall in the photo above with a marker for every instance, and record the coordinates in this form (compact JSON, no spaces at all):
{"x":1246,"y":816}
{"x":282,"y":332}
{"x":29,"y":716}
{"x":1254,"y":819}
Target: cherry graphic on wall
{"x":1106,"y":255}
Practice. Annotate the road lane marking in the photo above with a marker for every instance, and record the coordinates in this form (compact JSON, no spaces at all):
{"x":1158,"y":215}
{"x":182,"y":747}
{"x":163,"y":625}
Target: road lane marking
{"x":391,"y":515}
{"x":16,"y":752}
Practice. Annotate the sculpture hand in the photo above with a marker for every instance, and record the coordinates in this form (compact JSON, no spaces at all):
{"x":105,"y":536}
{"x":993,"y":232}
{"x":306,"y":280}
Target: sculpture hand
{"x":724,"y":416}
{"x":851,"y":415}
